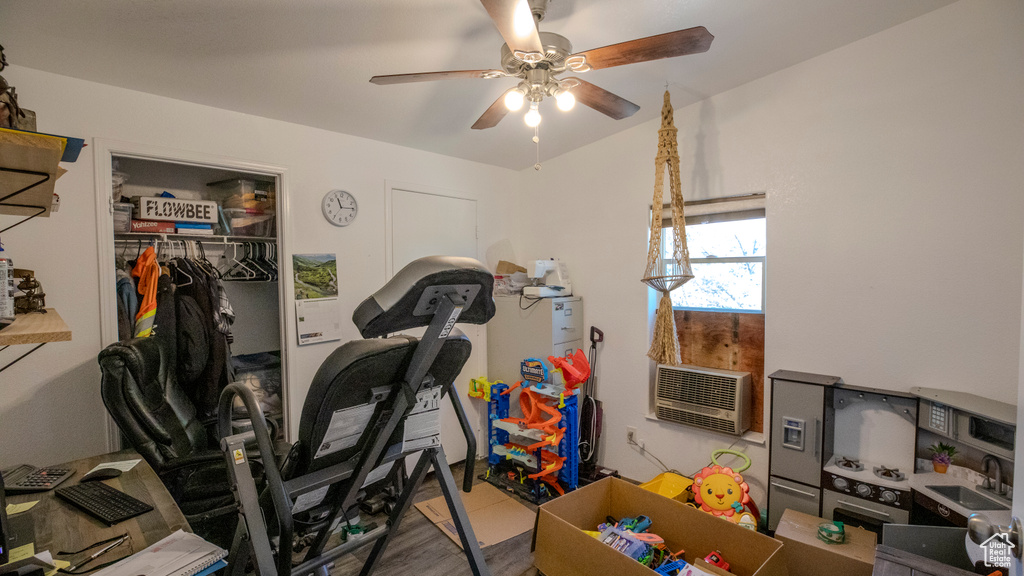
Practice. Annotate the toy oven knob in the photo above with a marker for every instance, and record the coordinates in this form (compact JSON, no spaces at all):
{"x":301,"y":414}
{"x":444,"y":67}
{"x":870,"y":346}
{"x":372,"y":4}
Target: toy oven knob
{"x":888,"y":496}
{"x":840,"y":483}
{"x":864,"y":490}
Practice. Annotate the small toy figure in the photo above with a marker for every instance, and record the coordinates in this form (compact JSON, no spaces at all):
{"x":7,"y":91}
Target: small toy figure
{"x":715,"y":559}
{"x":32,"y":298}
{"x":11,"y":114}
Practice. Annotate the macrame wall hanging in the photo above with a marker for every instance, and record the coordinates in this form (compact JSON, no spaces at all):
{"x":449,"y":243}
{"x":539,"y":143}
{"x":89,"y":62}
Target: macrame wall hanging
{"x":666,"y":272}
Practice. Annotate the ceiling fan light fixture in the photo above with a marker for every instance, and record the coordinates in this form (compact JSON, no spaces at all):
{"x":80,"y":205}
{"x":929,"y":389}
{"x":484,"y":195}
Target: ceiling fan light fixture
{"x":514,"y":99}
{"x":532,"y":117}
{"x":522,"y":20}
{"x":565,"y":100}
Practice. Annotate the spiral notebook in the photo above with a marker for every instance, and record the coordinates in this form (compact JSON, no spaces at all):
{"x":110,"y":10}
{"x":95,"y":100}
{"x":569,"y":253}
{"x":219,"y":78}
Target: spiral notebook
{"x":180,"y":554}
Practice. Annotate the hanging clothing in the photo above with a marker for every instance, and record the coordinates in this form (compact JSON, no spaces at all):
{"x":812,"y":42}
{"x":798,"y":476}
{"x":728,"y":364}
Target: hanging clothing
{"x":203,"y":388}
{"x":165,"y":327}
{"x":226,"y":316}
{"x":127,"y":305}
{"x":147,"y":271}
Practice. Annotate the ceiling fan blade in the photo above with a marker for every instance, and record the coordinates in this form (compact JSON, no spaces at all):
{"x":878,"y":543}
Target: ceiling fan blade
{"x":430,"y":76}
{"x":493,"y":115}
{"x":603,"y":101}
{"x":514,"y":20}
{"x":668,"y":45}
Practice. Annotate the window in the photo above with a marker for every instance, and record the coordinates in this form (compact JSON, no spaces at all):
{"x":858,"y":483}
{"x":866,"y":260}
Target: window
{"x":727,"y":255}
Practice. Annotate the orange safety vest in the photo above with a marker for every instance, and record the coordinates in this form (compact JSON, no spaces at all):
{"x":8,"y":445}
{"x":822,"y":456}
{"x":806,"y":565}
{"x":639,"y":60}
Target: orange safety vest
{"x":147,"y":270}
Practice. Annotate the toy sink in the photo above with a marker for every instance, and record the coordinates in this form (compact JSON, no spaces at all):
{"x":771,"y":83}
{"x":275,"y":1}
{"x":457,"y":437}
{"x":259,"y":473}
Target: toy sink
{"x":669,"y":485}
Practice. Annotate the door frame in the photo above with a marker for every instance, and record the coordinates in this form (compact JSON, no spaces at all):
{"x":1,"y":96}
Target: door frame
{"x":389,"y":260}
{"x":103,"y":152}
{"x":1018,"y":472}
{"x":389,"y":187}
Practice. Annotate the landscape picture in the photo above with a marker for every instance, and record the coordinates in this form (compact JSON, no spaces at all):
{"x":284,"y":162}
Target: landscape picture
{"x":316,"y":275}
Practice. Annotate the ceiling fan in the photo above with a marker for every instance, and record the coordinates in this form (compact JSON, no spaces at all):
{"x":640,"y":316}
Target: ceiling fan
{"x":538,"y":58}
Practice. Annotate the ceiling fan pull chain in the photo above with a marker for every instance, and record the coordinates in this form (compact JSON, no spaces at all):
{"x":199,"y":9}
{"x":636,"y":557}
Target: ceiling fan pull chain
{"x":536,"y":140}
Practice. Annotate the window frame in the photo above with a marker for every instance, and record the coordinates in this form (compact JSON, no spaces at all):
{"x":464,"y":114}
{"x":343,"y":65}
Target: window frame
{"x":746,"y":207}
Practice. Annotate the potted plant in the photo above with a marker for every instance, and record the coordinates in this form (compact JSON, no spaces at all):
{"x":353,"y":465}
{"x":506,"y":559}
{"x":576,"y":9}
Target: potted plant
{"x":942,"y":456}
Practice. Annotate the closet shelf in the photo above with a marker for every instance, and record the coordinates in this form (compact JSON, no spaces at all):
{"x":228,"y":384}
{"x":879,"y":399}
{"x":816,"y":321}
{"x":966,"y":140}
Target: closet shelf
{"x":212,"y":239}
{"x":36,"y":328}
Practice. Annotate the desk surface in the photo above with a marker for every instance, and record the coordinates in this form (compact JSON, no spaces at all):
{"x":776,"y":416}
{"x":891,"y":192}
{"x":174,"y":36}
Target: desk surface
{"x":61,"y":526}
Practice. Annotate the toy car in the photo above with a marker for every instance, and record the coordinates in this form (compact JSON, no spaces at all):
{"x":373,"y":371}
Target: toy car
{"x":715,"y":559}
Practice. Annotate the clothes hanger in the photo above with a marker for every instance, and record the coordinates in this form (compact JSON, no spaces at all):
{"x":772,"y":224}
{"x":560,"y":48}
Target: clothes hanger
{"x":252,"y":259}
{"x":211,"y":269}
{"x":239,"y":265}
{"x":260,"y":249}
{"x":180,"y":267}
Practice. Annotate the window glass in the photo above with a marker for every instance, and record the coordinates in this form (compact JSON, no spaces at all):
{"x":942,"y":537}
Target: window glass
{"x":723,"y":286}
{"x":727,"y":259}
{"x":727,"y":239}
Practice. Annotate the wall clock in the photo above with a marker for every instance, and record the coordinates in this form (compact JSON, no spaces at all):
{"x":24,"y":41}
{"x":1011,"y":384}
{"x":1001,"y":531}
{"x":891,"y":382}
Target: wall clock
{"x":340,"y":207}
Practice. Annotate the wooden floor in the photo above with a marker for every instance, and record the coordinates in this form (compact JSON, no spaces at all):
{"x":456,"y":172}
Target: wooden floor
{"x":421,"y":549}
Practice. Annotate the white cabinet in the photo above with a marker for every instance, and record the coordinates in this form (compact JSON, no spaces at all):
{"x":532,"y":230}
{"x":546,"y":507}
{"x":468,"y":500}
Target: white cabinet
{"x":531,"y":329}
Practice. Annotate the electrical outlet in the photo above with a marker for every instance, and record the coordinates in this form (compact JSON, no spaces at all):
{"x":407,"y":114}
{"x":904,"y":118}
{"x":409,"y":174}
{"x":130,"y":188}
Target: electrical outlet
{"x":631,"y":434}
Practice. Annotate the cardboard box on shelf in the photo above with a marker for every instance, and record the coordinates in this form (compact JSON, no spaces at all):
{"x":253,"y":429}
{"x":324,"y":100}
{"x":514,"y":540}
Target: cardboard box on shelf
{"x":805,"y":554}
{"x":561,"y":548}
{"x":174,"y":209}
{"x":153,"y":226}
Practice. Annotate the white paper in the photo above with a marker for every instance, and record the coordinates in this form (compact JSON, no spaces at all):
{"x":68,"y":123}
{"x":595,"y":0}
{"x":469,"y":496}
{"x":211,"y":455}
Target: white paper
{"x":123,"y":465}
{"x":378,"y":473}
{"x":309,"y":499}
{"x":423,"y":424}
{"x":345,"y":428}
{"x":179,"y":553}
{"x":317,"y":320}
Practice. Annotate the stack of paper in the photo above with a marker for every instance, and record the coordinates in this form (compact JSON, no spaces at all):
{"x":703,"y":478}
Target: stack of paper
{"x":180,"y":554}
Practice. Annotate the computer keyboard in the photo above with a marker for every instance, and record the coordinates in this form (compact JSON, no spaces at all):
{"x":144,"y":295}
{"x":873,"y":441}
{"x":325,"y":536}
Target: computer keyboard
{"x":25,"y":478}
{"x":103,"y":502}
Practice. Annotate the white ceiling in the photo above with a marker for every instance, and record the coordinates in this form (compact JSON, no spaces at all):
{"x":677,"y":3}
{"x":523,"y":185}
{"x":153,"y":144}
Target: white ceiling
{"x":310,"y":61}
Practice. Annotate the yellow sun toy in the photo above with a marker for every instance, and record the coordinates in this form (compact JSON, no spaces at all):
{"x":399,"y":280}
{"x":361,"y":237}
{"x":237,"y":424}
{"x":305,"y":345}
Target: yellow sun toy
{"x":721,"y":491}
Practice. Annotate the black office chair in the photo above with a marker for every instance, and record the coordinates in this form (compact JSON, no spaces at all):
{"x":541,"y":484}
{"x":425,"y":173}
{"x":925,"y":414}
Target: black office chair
{"x":352,"y":423}
{"x":141,"y":393}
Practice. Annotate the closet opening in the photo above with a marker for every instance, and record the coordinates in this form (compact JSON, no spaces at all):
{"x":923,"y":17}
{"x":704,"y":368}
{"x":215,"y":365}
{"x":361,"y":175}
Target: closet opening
{"x":211,"y":233}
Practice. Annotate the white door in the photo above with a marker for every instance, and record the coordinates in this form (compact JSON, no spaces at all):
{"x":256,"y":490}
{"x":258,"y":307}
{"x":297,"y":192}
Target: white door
{"x":430,"y":224}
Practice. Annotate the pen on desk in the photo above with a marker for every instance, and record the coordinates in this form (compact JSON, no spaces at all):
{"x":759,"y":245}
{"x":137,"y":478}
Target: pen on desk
{"x":96,"y":555}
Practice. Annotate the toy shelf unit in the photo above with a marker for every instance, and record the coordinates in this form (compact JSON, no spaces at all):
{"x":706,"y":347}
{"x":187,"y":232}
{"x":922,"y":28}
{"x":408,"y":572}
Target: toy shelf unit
{"x":29,"y":168}
{"x":34,"y":328}
{"x":519,"y":458}
{"x":535,"y":456}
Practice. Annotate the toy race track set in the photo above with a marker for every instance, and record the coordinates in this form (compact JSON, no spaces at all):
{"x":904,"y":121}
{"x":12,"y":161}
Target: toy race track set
{"x":536,"y":455}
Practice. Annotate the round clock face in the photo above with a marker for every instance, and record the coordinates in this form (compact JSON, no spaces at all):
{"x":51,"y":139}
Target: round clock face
{"x":340,"y":207}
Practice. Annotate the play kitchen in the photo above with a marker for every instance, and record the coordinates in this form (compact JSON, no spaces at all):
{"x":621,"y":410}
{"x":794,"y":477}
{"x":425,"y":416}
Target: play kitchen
{"x":863,"y":456}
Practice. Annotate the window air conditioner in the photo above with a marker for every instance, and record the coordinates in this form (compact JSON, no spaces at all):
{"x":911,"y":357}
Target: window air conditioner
{"x":708,"y":398}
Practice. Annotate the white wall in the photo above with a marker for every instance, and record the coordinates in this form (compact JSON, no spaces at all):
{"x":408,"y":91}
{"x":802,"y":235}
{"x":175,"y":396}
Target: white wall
{"x":895,"y":219}
{"x":50,"y":408}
